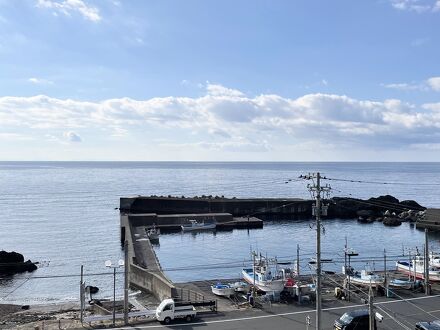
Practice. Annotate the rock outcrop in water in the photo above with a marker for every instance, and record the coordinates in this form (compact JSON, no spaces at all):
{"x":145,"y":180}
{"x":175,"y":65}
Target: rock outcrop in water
{"x":13,"y":263}
{"x":387,"y":209}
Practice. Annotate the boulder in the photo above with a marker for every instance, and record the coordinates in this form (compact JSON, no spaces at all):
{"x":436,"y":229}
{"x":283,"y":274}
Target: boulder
{"x":413,"y":205}
{"x":391,"y":221}
{"x":13,"y":263}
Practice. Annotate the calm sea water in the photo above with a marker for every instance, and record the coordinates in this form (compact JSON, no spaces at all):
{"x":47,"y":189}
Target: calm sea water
{"x":63,"y":215}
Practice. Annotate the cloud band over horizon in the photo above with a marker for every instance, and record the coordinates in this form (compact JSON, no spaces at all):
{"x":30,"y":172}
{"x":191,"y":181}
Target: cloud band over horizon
{"x":226,"y":119}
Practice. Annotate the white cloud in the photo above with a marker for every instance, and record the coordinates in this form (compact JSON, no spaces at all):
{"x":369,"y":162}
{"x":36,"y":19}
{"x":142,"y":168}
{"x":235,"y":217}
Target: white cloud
{"x":227,"y":119}
{"x":67,"y":7}
{"x":434,"y":83}
{"x":14,"y":137}
{"x":418,"y":6}
{"x":403,"y":86}
{"x":40,"y":81}
{"x":219,"y":90}
{"x":72,"y":137}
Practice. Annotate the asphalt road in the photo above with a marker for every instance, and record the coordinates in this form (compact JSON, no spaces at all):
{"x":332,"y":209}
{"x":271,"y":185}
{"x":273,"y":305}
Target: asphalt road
{"x":407,"y":313}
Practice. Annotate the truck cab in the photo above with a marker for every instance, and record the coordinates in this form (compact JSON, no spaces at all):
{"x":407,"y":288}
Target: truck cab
{"x":168,"y":311}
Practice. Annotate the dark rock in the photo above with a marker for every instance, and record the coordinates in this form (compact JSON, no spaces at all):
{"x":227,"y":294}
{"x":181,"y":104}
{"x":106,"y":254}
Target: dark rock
{"x":391,"y":221}
{"x":365,"y":213}
{"x":385,"y":199}
{"x":92,"y":289}
{"x":413,"y":205}
{"x":10,"y":257}
{"x":13,"y":262}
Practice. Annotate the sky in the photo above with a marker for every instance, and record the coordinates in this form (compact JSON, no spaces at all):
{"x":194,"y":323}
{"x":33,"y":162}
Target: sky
{"x":206,"y":80}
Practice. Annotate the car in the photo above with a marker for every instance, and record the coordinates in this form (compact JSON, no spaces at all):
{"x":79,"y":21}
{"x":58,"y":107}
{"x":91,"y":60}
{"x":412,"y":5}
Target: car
{"x":354,"y":320}
{"x":434,"y":325}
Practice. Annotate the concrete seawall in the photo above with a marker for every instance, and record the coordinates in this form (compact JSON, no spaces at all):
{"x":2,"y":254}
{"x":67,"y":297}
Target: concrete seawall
{"x":144,"y":270}
{"x":237,"y":207}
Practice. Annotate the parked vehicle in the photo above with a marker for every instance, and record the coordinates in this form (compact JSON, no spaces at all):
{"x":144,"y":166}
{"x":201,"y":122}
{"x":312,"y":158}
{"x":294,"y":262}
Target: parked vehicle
{"x":434,"y":325}
{"x":354,"y":320}
{"x":168,"y":310}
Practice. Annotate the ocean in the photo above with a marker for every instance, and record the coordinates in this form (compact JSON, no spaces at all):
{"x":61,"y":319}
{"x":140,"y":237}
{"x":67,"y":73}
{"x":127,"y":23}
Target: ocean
{"x":64,"y":215}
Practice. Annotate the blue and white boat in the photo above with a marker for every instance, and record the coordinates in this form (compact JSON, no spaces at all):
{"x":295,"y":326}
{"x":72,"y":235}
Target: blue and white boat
{"x":223,"y":290}
{"x":401,"y":284}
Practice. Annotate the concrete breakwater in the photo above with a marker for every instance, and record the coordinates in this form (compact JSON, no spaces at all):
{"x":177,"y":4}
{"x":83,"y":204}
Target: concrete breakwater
{"x":264,"y":208}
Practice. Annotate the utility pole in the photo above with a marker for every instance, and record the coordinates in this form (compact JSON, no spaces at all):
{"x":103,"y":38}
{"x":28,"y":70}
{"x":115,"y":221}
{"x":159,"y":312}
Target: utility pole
{"x":426,"y":263}
{"x":316,"y":189}
{"x":385,"y":264}
{"x":126,"y":265}
{"x":370,"y":308}
{"x":81,"y":294}
{"x":297,"y":261}
{"x":114,"y":296}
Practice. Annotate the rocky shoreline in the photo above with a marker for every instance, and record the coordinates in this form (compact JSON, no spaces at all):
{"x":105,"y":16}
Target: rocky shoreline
{"x":386,"y":209}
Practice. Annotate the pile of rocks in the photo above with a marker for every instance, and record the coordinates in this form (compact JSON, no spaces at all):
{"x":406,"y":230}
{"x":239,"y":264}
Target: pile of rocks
{"x":13,"y":262}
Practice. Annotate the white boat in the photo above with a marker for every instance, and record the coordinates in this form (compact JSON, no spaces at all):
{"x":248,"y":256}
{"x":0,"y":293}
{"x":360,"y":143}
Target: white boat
{"x":366,"y":278}
{"x":194,"y":225}
{"x":240,"y":286}
{"x":265,"y":277}
{"x":416,"y":268}
{"x":434,"y":259}
{"x":401,"y":284}
{"x":223,"y":290}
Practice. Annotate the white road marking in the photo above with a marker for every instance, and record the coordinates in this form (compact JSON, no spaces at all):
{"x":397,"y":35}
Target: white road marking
{"x":275,"y":315}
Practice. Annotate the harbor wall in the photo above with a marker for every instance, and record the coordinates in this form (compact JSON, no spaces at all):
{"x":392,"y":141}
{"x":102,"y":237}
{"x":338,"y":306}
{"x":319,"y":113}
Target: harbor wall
{"x":152,"y":282}
{"x":236,"y":207}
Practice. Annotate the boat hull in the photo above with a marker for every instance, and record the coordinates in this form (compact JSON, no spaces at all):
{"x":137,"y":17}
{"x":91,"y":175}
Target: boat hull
{"x":223,"y":290}
{"x":365,"y":282}
{"x":401,"y":284}
{"x":198,"y":227}
{"x":434,"y":275}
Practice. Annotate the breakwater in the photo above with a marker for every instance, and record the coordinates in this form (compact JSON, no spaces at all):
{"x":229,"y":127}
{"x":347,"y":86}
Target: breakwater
{"x":264,"y":208}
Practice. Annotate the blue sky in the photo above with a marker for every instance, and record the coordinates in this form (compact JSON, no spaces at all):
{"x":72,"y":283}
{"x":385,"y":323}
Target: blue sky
{"x":220,"y":80}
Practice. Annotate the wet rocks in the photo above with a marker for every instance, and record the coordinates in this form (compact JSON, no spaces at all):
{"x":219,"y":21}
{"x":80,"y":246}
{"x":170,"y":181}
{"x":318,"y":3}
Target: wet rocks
{"x":13,"y":263}
{"x":391,"y":221}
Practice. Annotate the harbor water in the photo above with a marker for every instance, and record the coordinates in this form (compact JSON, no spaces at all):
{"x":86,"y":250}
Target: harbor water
{"x":62,"y":214}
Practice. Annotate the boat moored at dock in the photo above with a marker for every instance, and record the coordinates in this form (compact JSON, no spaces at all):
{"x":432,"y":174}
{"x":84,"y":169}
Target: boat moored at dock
{"x":193,"y":225}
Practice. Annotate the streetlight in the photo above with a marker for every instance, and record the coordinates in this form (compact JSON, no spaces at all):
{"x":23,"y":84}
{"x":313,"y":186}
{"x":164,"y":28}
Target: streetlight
{"x":109,"y":264}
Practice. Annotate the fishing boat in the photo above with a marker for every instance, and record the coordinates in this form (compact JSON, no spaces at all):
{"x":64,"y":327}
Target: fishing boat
{"x":416,"y":268}
{"x":365,"y":278}
{"x":434,"y":259}
{"x":401,"y":284}
{"x":265,"y":274}
{"x":193,"y":225}
{"x":223,"y":290}
{"x":240,"y":286}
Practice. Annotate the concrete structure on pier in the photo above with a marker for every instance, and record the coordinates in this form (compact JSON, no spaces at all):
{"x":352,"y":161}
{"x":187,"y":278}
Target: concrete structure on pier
{"x":430,"y":220}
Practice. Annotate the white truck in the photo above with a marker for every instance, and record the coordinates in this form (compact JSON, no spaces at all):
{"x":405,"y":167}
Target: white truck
{"x":168,"y":310}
